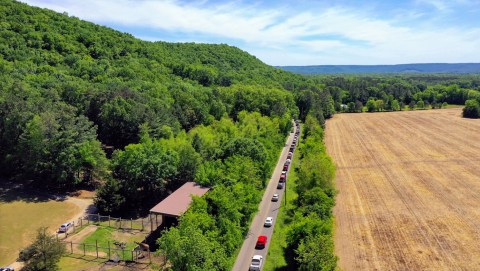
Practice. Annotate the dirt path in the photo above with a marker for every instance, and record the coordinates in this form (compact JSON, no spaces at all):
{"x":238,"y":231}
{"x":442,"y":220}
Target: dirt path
{"x":409,"y":190}
{"x":84,"y":201}
{"x":78,"y":237}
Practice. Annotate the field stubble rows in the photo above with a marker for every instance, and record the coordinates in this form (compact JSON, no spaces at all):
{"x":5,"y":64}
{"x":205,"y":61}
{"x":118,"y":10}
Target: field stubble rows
{"x":409,"y":190}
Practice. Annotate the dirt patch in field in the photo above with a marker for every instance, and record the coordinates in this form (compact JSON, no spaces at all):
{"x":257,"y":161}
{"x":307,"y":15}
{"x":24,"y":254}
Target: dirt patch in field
{"x":78,"y":237}
{"x":409,"y":190}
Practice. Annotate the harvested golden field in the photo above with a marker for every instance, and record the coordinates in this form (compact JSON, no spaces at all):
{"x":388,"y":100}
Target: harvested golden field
{"x":409,"y":190}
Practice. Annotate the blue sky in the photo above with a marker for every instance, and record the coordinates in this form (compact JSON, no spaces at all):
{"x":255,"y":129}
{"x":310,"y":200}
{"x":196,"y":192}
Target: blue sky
{"x":302,"y":32}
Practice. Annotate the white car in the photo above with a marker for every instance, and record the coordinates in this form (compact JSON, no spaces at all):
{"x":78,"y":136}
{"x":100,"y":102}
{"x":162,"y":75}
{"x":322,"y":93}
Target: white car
{"x":256,"y":264}
{"x":7,"y":269}
{"x":268,"y":222}
{"x":65,"y":226}
{"x":275,"y":197}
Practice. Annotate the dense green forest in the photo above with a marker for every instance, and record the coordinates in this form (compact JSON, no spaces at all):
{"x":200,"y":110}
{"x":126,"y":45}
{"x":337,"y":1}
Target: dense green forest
{"x":395,"y":92}
{"x":437,"y":68}
{"x":71,"y":92}
{"x":69,"y":87}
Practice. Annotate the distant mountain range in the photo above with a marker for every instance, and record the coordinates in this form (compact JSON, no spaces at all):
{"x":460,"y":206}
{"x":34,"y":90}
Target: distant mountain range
{"x":400,"y":68}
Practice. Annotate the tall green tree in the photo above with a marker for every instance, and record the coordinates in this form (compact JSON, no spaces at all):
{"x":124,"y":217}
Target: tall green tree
{"x":44,"y":253}
{"x":420,"y":105}
{"x":59,"y":148}
{"x":316,"y":253}
{"x":471,"y":109}
{"x":371,"y":105}
{"x":395,"y":106}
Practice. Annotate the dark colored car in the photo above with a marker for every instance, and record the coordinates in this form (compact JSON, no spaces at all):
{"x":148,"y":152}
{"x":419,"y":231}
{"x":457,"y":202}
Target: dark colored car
{"x":285,"y":167}
{"x":283,"y":177}
{"x":280,"y":185}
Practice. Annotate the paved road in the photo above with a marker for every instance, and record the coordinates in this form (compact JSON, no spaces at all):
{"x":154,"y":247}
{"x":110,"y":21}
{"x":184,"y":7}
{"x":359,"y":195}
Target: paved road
{"x":267,"y":208}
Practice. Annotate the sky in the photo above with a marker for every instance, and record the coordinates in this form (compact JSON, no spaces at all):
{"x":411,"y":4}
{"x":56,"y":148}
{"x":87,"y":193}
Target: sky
{"x":301,"y":32}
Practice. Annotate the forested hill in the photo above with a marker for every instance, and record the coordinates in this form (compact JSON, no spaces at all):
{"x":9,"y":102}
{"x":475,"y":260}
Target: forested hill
{"x":68,"y":86}
{"x":400,"y":68}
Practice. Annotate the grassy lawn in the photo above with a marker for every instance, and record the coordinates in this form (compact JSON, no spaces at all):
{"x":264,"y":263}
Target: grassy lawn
{"x":73,"y":263}
{"x":103,"y":235}
{"x":21,"y":218}
{"x":277,"y":259}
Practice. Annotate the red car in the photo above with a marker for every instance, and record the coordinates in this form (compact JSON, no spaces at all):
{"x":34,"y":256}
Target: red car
{"x":261,"y":241}
{"x":285,"y":167}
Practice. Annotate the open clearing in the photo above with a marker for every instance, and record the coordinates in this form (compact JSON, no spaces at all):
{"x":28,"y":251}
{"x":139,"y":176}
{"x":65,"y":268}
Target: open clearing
{"x":22,"y":212}
{"x":409,"y":190}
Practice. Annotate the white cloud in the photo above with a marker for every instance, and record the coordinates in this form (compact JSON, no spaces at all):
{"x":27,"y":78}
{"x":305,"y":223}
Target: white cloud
{"x":335,"y":35}
{"x":440,"y":5}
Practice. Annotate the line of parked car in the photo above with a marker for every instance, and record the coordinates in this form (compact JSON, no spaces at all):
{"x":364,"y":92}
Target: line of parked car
{"x":257,"y":260}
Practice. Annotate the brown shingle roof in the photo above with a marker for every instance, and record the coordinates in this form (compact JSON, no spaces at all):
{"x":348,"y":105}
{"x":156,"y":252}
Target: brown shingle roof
{"x":178,"y":202}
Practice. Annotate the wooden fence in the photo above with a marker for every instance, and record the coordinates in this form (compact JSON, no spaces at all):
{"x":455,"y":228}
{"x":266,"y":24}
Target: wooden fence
{"x":140,"y":224}
{"x":111,"y":252}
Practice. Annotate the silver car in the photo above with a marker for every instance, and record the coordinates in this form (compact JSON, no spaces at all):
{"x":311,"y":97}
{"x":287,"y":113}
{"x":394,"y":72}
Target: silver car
{"x":256,"y":264}
{"x":65,"y":226}
{"x":268,"y":222}
{"x":275,"y":197}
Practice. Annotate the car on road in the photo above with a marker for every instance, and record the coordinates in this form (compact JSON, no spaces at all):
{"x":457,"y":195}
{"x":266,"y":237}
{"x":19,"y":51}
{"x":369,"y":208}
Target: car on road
{"x":283,"y":177}
{"x":288,"y":161}
{"x":261,"y":242}
{"x":65,"y":227}
{"x":268,"y":222}
{"x":7,"y":269}
{"x":285,"y":167}
{"x":280,"y":185}
{"x":275,"y":197}
{"x":289,"y":156}
{"x":256,"y":264}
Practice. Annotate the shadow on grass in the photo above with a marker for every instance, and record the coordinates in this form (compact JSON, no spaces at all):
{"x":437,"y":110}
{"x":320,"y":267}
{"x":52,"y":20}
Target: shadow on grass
{"x":85,"y":258}
{"x":24,"y":191}
{"x":30,"y":191}
{"x":108,"y":264}
{"x":290,"y":259}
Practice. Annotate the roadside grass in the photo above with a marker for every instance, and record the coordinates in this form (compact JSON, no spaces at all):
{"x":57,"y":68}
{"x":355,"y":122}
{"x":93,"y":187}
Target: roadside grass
{"x":21,"y":219}
{"x":278,"y":258}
